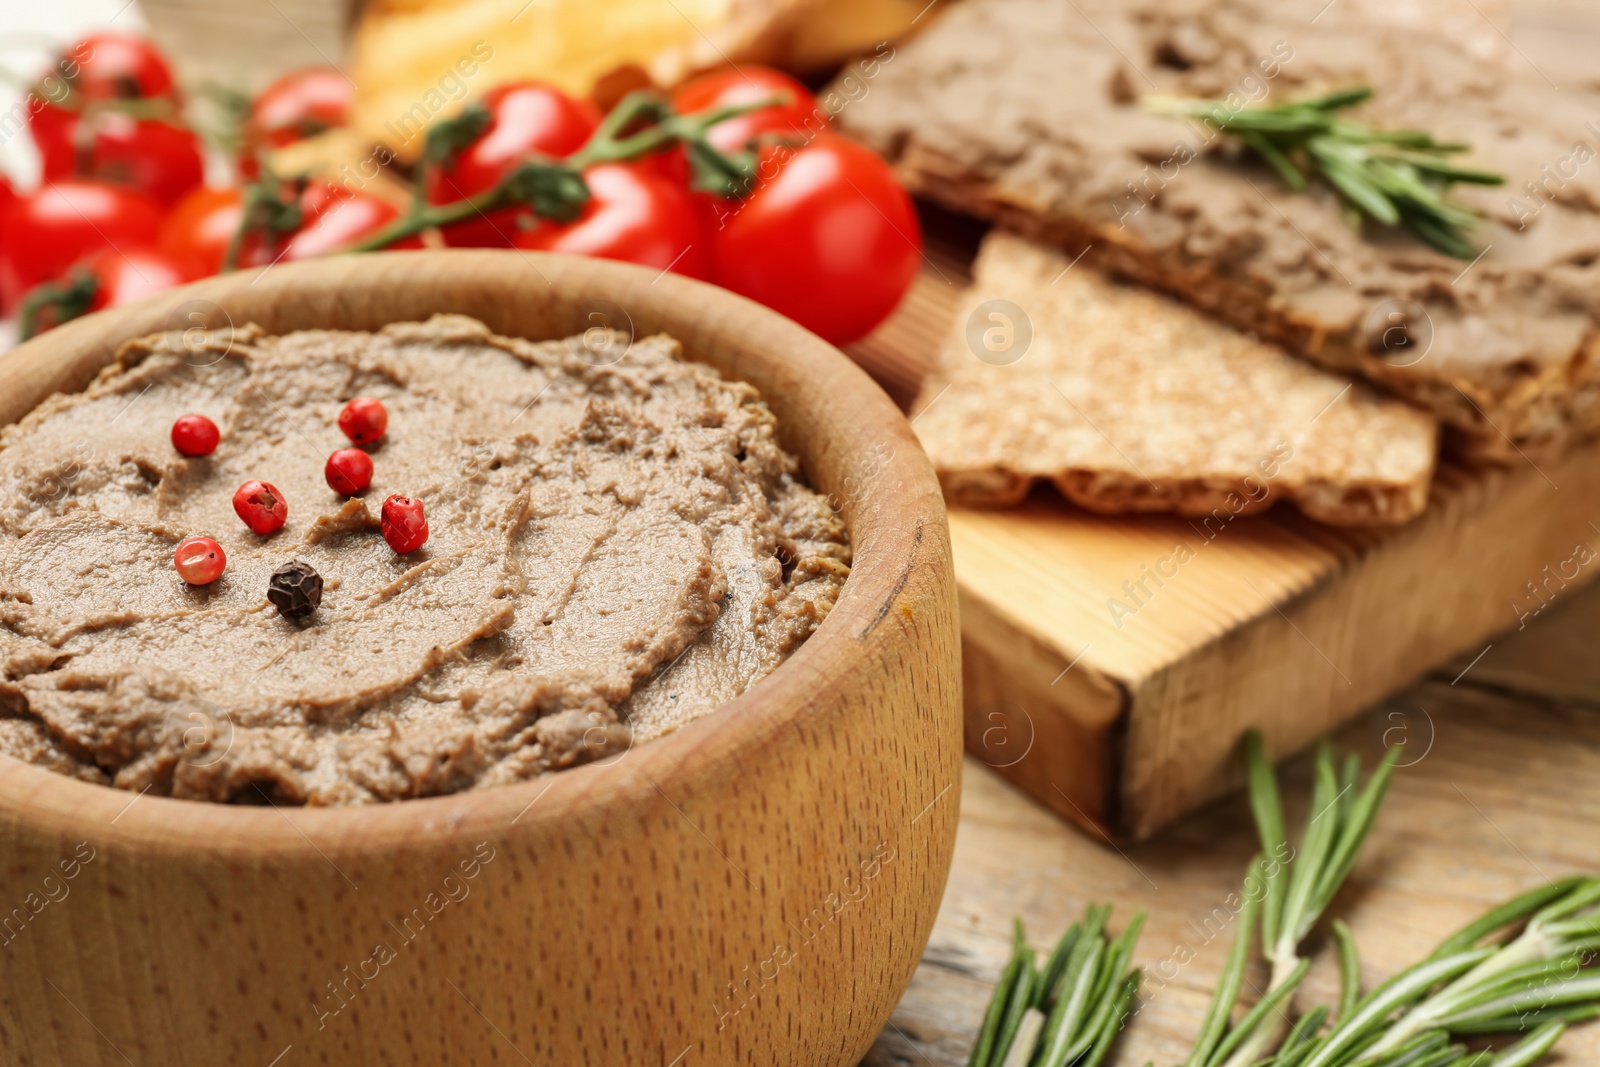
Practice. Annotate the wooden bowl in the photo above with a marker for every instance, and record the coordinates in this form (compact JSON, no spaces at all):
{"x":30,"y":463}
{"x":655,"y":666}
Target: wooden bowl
{"x":755,"y":888}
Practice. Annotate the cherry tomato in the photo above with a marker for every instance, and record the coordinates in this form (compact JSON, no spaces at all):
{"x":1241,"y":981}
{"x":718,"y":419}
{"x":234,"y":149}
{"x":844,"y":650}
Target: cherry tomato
{"x":160,"y":158}
{"x":54,"y":130}
{"x":115,"y":66}
{"x":113,"y":277}
{"x":525,"y":118}
{"x":747,"y":85}
{"x":128,"y":274}
{"x":336,"y":217}
{"x":633,"y":214}
{"x":156,"y":158}
{"x":800,"y":117}
{"x":301,"y":104}
{"x":197,"y":233}
{"x":828,"y":238}
{"x":45,"y":232}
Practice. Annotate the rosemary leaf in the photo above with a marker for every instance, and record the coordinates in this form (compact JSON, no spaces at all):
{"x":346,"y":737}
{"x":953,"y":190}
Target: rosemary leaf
{"x":1423,"y":1047}
{"x":1266,"y":150}
{"x":1342,"y":165}
{"x":1530,"y":980}
{"x":1305,"y":1029}
{"x":1583,"y":895}
{"x":1114,"y":1021}
{"x":1340,"y":99}
{"x":1267,"y":807}
{"x":983,"y":1050}
{"x":1299,"y":911}
{"x":1353,"y":832}
{"x":1057,"y":965}
{"x":1072,"y":1021}
{"x":1027,"y":1039}
{"x":1113,"y":972}
{"x":1449,"y":1056}
{"x":1510,"y":1024}
{"x":1016,"y":1004}
{"x":1349,"y":969}
{"x":1228,"y":985}
{"x":1439,"y":235}
{"x":1443,"y":168}
{"x":1536,"y":996}
{"x":1530,"y":1048}
{"x":1071,"y":1009}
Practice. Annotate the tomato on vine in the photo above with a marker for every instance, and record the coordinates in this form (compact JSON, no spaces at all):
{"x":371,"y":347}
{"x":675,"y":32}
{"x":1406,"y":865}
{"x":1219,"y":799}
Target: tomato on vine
{"x":303,"y":103}
{"x":197,"y":233}
{"x":105,"y":278}
{"x":292,"y":224}
{"x":828,"y":237}
{"x":633,"y":214}
{"x":109,"y":110}
{"x":749,"y":85}
{"x":511,"y":123}
{"x":334,"y":217}
{"x":46,"y":231}
{"x":153,"y":156}
{"x":111,"y":65}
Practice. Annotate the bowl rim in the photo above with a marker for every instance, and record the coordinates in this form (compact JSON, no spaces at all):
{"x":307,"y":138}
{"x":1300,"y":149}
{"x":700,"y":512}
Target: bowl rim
{"x":895,"y":502}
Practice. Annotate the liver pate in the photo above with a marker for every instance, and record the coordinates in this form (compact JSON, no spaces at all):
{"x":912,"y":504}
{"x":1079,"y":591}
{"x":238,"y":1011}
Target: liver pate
{"x":619,"y":545}
{"x":1027,"y":111}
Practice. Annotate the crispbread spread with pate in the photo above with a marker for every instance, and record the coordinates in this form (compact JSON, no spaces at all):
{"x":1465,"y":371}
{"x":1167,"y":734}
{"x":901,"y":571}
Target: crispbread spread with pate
{"x":1028,"y":111}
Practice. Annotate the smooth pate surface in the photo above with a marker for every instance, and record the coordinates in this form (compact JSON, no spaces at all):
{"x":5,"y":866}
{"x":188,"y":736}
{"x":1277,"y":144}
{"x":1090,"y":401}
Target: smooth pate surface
{"x":618,"y":546}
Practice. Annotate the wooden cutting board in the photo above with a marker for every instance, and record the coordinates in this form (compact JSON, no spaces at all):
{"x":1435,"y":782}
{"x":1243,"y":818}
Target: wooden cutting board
{"x":1112,"y":682}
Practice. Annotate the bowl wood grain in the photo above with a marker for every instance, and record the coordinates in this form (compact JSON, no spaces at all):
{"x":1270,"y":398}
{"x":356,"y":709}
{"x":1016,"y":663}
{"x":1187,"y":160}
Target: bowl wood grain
{"x":753,"y":889}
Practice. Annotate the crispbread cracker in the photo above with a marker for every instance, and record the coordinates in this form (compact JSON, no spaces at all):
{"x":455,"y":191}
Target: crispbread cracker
{"x":1130,"y":401}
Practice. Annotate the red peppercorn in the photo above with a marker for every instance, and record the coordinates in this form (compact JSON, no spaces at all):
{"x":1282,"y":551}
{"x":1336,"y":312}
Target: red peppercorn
{"x":349,"y":471}
{"x":403,"y":525}
{"x":195,"y":435}
{"x":261,"y":506}
{"x":364,"y":420}
{"x":200,"y":560}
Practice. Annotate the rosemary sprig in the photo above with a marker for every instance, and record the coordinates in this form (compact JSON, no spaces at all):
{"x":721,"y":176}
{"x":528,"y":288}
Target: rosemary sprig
{"x":1288,"y":893}
{"x":1069,"y":1012}
{"x":1480,"y":980}
{"x":1534,"y":984}
{"x":1397,"y":177}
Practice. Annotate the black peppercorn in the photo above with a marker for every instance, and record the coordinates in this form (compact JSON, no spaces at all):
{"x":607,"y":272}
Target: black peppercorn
{"x":295,"y":590}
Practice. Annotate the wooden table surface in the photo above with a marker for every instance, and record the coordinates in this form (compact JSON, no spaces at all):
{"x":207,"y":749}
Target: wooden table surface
{"x":1502,"y":793}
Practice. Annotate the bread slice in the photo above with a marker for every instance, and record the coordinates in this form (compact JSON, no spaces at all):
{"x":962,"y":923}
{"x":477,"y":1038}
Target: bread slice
{"x":1130,"y":401}
{"x":1029,"y":112}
